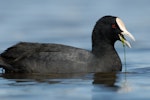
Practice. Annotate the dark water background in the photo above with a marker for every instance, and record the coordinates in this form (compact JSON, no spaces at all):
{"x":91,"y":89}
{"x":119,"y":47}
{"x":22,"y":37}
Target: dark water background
{"x":71,"y":23}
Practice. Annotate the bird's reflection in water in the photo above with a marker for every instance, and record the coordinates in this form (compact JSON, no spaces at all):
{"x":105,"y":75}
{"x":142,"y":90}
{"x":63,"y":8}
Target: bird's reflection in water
{"x":105,"y":81}
{"x":104,"y":84}
{"x":99,"y":79}
{"x":38,"y":78}
{"x":105,"y":78}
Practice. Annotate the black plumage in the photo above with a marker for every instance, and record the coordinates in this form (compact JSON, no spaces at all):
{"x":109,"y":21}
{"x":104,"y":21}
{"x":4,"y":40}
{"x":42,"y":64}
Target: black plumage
{"x":57,"y":58}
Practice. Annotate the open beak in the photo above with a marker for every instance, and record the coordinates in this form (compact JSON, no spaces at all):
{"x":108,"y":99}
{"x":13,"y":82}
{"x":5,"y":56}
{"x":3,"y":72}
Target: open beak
{"x":124,"y":33}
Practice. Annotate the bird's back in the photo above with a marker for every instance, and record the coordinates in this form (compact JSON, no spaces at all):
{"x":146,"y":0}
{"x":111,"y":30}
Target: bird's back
{"x":45,"y":58}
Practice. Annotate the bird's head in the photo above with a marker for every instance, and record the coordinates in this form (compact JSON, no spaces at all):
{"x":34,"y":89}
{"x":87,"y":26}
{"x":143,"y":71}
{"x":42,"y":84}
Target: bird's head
{"x":110,"y":29}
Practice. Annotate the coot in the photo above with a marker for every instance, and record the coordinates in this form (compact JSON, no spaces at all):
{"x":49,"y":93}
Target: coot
{"x":44,"y":58}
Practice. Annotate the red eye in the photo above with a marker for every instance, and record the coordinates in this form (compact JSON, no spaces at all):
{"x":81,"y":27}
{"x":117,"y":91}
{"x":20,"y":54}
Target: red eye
{"x":114,"y":26}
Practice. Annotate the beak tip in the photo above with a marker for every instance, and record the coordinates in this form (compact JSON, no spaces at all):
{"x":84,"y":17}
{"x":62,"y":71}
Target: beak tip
{"x":133,"y":38}
{"x":129,"y":35}
{"x":127,"y":44}
{"x":130,"y":47}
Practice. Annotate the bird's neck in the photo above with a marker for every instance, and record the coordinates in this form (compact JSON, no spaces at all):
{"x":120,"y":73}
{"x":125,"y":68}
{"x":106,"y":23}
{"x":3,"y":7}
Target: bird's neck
{"x":107,"y":54}
{"x":101,"y":49}
{"x":102,"y":43}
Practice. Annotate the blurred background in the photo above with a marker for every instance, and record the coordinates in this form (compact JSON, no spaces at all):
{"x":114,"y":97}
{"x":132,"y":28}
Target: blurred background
{"x":68,"y":22}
